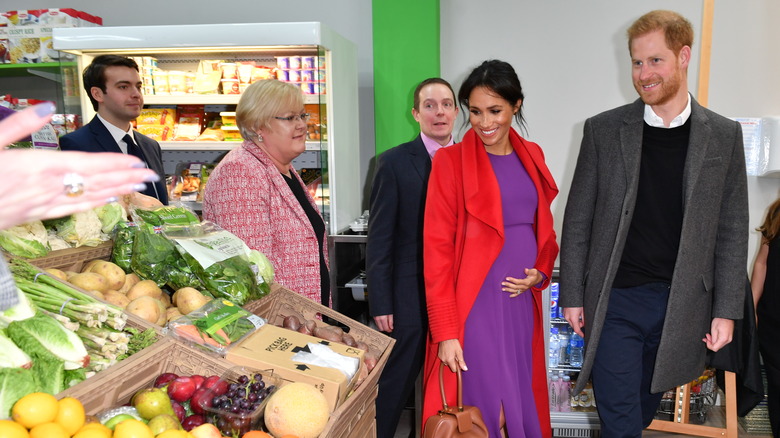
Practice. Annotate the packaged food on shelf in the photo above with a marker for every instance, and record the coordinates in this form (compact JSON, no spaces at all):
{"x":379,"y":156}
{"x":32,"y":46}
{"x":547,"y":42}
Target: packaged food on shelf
{"x":157,"y":116}
{"x":189,"y":122}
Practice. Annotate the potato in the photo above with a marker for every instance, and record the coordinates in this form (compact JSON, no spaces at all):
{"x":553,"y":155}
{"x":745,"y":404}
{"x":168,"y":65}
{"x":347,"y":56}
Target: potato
{"x":88,"y":265}
{"x":327,"y":333}
{"x":97,"y":294}
{"x":116,"y":298}
{"x":131,"y":280}
{"x":89,"y":281}
{"x":348,"y":340}
{"x":163,"y":313}
{"x":172,"y":313}
{"x":188,"y":299}
{"x":144,"y":288}
{"x":292,"y":322}
{"x":113,"y":273}
{"x":57,"y":273}
{"x":166,"y":300}
{"x":70,"y":274}
{"x":145,"y":307}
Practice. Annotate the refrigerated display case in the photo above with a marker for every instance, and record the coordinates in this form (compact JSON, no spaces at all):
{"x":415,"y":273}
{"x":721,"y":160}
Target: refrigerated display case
{"x":331,"y":157}
{"x":579,"y":421}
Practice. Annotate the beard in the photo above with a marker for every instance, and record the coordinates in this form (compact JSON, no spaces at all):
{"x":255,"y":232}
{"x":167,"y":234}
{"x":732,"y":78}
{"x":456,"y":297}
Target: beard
{"x":666,"y":90}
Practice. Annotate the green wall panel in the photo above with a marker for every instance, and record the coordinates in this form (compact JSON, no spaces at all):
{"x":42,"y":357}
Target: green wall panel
{"x":406,"y":51}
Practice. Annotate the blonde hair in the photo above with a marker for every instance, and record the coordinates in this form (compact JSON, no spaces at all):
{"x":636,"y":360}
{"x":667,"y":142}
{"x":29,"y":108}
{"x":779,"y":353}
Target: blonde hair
{"x":677,"y":30}
{"x":771,"y":226}
{"x":261,"y":102}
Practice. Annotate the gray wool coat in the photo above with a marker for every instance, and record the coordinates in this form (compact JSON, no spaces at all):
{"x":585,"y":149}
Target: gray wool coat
{"x":708,"y":279}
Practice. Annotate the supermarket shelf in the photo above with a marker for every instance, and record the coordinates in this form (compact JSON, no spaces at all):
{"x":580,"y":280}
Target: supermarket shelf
{"x":220,"y":145}
{"x":44,"y":69}
{"x":208,"y":99}
{"x":575,"y":424}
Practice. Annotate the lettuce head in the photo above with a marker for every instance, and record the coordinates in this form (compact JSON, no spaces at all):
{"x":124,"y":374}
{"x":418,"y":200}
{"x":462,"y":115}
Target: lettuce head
{"x":15,"y":383}
{"x":27,"y":240}
{"x":110,"y":215}
{"x":44,"y":336}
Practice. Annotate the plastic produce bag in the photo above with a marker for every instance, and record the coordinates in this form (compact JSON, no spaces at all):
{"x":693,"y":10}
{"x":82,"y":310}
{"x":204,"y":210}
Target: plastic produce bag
{"x":219,"y":259}
{"x":154,"y":256}
{"x":215,"y":325}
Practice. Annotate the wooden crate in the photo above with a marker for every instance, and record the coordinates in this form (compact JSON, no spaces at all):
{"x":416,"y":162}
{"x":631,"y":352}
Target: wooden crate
{"x":72,"y":259}
{"x":355,"y":417}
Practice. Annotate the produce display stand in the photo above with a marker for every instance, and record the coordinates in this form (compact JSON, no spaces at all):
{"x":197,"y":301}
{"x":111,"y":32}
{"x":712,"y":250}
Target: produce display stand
{"x":355,"y":417}
{"x":116,"y":385}
{"x":72,"y":259}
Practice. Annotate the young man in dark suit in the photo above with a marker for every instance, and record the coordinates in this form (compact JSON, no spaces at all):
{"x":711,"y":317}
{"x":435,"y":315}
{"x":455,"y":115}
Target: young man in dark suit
{"x":396,"y":291}
{"x":655,"y":233}
{"x":113,"y":85}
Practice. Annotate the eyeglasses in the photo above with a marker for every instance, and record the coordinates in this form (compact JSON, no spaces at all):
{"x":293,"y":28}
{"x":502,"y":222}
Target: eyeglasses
{"x":295,"y":118}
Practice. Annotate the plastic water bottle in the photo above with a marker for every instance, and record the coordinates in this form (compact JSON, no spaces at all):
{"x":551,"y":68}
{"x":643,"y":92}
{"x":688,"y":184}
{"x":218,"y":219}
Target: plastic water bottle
{"x":553,"y":392}
{"x":564,"y":394}
{"x":564,"y":337}
{"x":575,"y":353}
{"x":555,"y":348}
{"x":554,"y":300}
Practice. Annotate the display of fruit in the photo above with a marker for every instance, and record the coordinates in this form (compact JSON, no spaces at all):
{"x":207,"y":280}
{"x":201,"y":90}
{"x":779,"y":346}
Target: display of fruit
{"x":151,"y":402}
{"x":41,"y":415}
{"x":235,"y":408}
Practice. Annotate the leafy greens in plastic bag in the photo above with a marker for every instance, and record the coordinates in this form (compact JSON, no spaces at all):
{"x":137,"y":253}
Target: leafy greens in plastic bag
{"x":154,"y":256}
{"x":219,"y":259}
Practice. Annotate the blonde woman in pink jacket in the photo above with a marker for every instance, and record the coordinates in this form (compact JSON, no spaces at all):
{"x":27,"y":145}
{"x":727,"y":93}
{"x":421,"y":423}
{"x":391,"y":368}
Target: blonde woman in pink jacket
{"x":256,"y":194}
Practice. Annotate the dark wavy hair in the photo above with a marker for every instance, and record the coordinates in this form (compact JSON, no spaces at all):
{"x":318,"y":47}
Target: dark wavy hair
{"x":95,"y":73}
{"x":500,"y":78}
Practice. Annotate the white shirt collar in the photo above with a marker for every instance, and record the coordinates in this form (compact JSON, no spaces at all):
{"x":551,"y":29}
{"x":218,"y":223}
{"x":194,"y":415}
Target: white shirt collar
{"x":652,"y":119}
{"x":117,"y":133}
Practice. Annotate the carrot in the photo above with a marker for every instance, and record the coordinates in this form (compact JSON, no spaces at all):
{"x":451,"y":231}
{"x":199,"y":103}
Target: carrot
{"x":189,"y":331}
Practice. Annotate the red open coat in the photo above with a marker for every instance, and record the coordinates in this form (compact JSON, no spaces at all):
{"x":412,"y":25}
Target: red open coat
{"x":463,"y":235}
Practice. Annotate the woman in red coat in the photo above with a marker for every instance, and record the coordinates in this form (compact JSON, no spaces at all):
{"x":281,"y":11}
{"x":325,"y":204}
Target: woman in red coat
{"x":489,"y":249}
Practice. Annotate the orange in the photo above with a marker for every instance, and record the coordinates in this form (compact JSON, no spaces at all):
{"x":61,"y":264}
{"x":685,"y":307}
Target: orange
{"x":256,"y":434}
{"x":34,"y":409}
{"x":93,"y":430}
{"x":12,"y":429}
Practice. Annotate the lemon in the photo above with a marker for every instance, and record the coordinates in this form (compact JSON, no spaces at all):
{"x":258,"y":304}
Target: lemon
{"x":34,"y":409}
{"x":93,"y":430}
{"x":92,"y":433}
{"x":132,"y":429}
{"x":70,"y":415}
{"x":12,"y":429}
{"x":49,"y":430}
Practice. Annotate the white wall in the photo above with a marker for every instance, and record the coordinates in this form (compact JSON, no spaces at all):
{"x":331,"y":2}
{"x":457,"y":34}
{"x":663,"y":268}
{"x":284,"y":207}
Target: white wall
{"x":349,"y":18}
{"x":573,"y":62}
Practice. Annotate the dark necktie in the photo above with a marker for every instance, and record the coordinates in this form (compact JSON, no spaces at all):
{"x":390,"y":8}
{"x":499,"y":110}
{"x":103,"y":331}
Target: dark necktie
{"x":132,"y":148}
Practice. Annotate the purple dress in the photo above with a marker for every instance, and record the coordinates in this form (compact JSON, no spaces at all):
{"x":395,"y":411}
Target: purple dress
{"x":497,"y":340}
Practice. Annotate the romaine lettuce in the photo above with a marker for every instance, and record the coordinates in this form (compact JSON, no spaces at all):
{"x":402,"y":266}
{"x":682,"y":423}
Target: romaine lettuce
{"x":22,"y":310}
{"x":12,"y":356}
{"x":42,"y":335}
{"x":15,"y":383}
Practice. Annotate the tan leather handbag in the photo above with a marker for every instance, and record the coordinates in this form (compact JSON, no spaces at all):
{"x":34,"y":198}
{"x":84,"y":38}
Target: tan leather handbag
{"x":459,"y":421}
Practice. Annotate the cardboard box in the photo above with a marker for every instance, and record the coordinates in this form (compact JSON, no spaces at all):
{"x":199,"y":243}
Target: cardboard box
{"x":355,"y":417}
{"x":273,"y":348}
{"x":33,"y":44}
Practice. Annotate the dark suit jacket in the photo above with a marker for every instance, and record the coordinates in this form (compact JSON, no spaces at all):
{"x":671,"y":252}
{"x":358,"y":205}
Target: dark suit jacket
{"x":94,"y":137}
{"x":394,"y":247}
{"x":710,"y":268}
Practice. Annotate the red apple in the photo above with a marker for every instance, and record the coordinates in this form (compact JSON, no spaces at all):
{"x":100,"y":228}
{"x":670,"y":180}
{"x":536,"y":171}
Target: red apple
{"x":181,"y":388}
{"x":181,"y":413}
{"x":192,"y":422}
{"x":163,"y":379}
{"x":217,"y":385}
{"x":201,"y":400}
{"x":198,"y":380}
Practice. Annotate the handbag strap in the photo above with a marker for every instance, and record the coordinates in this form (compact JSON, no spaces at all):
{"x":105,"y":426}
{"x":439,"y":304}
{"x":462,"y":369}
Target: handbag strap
{"x":441,"y":387}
